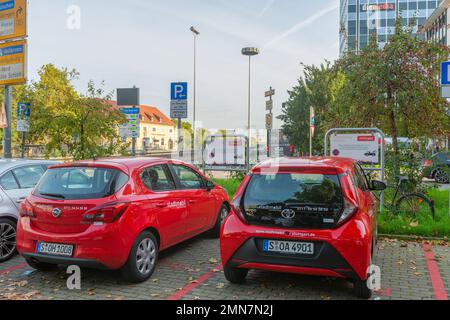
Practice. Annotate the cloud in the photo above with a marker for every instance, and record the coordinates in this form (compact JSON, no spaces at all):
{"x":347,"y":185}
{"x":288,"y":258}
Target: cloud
{"x":302,"y":24}
{"x":269,"y":4}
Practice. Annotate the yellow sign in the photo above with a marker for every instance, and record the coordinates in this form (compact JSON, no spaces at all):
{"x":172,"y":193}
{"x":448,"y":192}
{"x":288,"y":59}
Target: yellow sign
{"x":13,"y":19}
{"x":13,"y":60}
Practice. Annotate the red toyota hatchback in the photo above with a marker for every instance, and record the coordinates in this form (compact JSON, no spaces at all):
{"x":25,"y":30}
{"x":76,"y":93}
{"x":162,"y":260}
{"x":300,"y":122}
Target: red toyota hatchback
{"x":117,"y":214}
{"x":313,"y":216}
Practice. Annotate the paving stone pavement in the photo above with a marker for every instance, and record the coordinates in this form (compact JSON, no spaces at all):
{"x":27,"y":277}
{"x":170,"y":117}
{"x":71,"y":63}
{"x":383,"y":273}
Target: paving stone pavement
{"x":191,"y":271}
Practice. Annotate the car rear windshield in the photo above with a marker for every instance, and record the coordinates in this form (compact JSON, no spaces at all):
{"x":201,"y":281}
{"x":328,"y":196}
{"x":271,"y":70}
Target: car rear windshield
{"x":313,"y":197}
{"x":80,"y":183}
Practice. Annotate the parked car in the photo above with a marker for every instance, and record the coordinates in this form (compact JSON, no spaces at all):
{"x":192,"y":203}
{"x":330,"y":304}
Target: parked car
{"x":17,"y":179}
{"x":438,"y":168}
{"x":117,"y":214}
{"x":314,"y":216}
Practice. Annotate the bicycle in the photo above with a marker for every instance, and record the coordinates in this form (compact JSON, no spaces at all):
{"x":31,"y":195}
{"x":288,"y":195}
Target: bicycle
{"x":409,"y":203}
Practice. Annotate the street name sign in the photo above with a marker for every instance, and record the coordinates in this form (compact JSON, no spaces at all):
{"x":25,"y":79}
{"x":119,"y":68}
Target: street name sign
{"x":13,"y":19}
{"x":13,"y":59}
{"x":179,"y":100}
{"x":23,"y":117}
{"x":445,"y":73}
{"x":270,"y":93}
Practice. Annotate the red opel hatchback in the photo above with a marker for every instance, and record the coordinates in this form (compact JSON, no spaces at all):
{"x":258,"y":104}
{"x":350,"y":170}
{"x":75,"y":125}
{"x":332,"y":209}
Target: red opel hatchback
{"x":313,"y":216}
{"x":117,"y":214}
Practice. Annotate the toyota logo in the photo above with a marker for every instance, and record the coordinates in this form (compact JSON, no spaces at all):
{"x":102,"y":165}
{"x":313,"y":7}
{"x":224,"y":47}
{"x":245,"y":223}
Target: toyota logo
{"x":288,"y":214}
{"x":56,"y":213}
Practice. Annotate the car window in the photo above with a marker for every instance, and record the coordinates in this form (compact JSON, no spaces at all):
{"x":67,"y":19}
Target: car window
{"x":80,"y":183}
{"x":8,"y":182}
{"x":28,"y":177}
{"x":189,"y":179}
{"x":360,"y":178}
{"x":157,"y":178}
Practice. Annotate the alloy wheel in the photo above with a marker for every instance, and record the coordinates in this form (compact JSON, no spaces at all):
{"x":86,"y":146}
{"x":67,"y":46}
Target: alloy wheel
{"x":146,"y":256}
{"x":441,"y":176}
{"x":7,"y":240}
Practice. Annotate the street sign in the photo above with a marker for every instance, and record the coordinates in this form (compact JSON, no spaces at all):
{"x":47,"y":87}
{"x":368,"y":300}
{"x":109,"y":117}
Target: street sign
{"x":270,"y":93}
{"x":359,"y":147}
{"x":269,"y":105}
{"x":132,"y":128}
{"x":128,"y":97}
{"x":445,"y":73}
{"x":178,"y":100}
{"x":23,"y":117}
{"x":269,"y":121}
{"x":13,"y":60}
{"x":13,"y":19}
{"x":445,"y":92}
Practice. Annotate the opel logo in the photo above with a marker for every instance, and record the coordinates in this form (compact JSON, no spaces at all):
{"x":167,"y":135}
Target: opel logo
{"x":288,"y":214}
{"x":56,"y":213}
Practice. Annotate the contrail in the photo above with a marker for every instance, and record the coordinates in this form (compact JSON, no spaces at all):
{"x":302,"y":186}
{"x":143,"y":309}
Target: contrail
{"x":302,"y":24}
{"x":269,"y":4}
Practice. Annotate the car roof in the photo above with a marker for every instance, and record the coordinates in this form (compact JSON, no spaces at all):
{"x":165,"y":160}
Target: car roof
{"x":339,"y":165}
{"x":124,"y":164}
{"x":6,"y":164}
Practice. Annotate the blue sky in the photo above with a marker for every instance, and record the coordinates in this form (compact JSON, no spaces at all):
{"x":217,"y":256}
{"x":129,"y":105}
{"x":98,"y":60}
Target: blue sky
{"x":147,"y":43}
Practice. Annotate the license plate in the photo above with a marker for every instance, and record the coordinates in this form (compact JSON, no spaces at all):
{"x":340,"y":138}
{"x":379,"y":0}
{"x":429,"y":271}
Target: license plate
{"x":288,"y":247}
{"x":55,"y":249}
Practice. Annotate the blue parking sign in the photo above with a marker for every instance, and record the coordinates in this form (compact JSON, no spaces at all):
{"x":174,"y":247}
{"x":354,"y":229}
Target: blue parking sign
{"x":179,"y":91}
{"x":445,"y":73}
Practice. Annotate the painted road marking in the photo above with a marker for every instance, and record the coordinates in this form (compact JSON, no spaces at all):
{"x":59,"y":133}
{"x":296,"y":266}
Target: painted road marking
{"x":19,"y":266}
{"x":191,"y":286}
{"x":435,"y":276}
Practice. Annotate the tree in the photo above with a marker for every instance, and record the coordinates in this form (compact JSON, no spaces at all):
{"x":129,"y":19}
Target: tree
{"x":318,"y":87}
{"x":69,"y":124}
{"x":396,"y":87}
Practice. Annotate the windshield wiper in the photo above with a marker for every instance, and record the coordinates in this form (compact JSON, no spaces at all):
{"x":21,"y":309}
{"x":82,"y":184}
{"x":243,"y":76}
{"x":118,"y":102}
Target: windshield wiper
{"x":53,"y":195}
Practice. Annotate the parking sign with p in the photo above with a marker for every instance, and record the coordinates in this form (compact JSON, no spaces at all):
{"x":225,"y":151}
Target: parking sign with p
{"x":178,"y":103}
{"x":179,"y":91}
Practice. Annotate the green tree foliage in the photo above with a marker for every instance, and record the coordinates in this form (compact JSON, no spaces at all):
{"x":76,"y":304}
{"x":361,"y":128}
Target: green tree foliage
{"x":67,"y":123}
{"x":394,"y":88}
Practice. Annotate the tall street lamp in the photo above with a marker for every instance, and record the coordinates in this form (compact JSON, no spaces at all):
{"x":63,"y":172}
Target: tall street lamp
{"x":250,"y":52}
{"x":196,"y":33}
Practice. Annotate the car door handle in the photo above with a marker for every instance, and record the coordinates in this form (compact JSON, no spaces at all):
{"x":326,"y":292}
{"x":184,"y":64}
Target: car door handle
{"x":161,"y":205}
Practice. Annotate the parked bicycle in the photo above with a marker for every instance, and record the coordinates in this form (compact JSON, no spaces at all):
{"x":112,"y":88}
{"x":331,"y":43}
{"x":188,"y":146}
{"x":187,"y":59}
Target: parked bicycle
{"x":410,"y":204}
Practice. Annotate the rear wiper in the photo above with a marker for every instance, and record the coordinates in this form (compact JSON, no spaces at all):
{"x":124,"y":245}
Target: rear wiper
{"x":53,"y":195}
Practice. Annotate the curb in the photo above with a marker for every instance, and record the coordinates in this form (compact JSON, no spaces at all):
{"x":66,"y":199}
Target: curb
{"x":415,"y":238}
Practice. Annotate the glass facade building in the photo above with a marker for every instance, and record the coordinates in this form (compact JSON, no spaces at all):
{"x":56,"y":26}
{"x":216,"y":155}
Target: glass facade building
{"x":359,"y":19}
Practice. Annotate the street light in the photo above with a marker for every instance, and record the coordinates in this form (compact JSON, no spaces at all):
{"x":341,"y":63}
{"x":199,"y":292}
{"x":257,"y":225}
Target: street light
{"x":250,"y":52}
{"x":196,"y":33}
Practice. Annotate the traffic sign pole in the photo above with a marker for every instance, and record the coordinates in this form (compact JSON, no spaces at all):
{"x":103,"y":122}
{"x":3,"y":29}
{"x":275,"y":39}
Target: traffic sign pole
{"x":7,"y":151}
{"x":180,"y":145}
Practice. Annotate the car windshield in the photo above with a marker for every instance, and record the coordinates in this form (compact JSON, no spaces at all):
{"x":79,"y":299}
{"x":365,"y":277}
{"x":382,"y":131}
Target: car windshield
{"x":285,"y":189}
{"x":80,"y":183}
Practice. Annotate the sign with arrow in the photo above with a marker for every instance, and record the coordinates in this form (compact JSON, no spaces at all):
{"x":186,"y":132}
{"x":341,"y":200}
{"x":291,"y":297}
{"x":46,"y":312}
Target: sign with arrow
{"x":13,"y":19}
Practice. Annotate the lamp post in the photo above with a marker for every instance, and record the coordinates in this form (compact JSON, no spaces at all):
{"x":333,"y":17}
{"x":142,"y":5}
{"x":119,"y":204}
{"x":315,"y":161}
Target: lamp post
{"x":250,"y":52}
{"x":196,"y":33}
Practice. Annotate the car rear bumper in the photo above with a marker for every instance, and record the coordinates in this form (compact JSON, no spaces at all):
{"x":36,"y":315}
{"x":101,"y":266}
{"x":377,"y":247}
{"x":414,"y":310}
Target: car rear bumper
{"x":98,"y":247}
{"x":344,"y":252}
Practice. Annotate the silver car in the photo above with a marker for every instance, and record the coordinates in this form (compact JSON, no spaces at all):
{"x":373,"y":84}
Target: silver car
{"x":17,"y":180}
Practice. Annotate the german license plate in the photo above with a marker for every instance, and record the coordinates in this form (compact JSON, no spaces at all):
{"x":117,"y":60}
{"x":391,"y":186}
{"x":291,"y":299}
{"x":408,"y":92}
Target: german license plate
{"x":288,"y":247}
{"x":54,"y":249}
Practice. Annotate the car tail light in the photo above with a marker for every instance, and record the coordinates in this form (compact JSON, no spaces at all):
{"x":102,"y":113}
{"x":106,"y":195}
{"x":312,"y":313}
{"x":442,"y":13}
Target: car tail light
{"x":349,"y":210}
{"x":107,"y":213}
{"x":238,"y":209}
{"x":428,"y":163}
{"x":26,"y":209}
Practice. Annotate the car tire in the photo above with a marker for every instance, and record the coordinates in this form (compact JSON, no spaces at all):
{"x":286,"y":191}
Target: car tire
{"x":223,"y":214}
{"x":361,"y":290}
{"x":235,"y":275}
{"x":142,"y":260}
{"x":8,"y":231}
{"x":440,"y":176}
{"x":41,"y":266}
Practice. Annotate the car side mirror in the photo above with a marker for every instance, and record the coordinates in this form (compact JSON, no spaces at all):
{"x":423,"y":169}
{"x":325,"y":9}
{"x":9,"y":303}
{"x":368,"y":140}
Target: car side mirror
{"x":210,"y":185}
{"x":378,"y":186}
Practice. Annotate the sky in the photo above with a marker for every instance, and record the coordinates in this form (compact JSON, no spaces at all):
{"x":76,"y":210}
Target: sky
{"x":147,"y":43}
